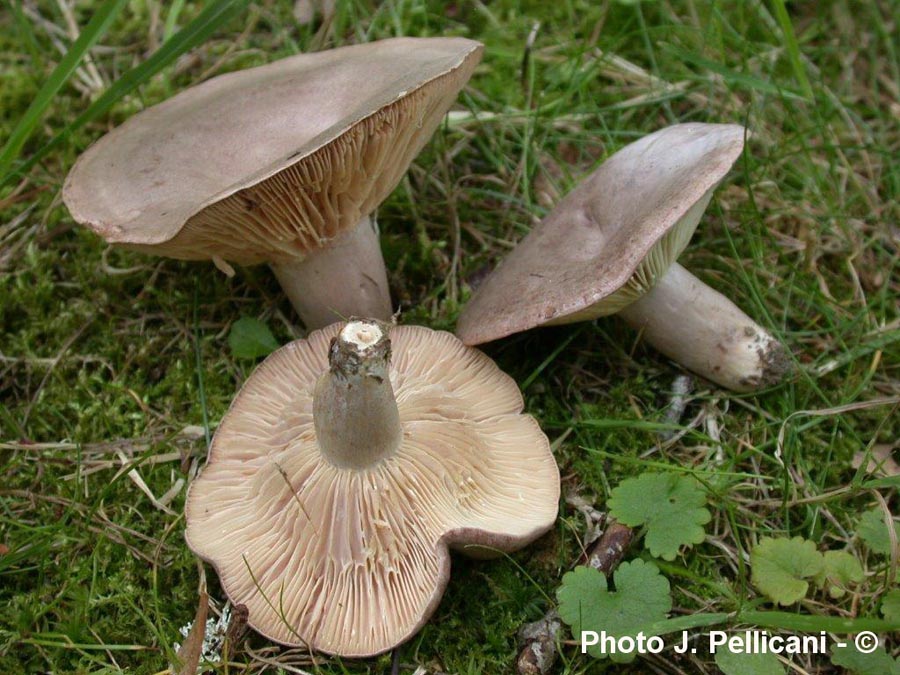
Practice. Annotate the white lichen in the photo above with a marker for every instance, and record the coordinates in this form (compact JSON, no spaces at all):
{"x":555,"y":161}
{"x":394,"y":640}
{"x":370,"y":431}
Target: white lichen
{"x":213,"y":637}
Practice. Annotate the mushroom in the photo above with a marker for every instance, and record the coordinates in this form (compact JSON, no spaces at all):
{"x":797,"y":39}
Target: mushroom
{"x":341,"y":474}
{"x":610,"y":247}
{"x":284,"y":163}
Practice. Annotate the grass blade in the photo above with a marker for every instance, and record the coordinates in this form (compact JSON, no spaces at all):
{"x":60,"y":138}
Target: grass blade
{"x":688,"y":622}
{"x":62,"y":641}
{"x":198,"y":360}
{"x":807,"y":623}
{"x":172,"y":18}
{"x":731,"y":77}
{"x":24,"y":28}
{"x":92,"y":32}
{"x":546,"y":362}
{"x":793,"y":49}
{"x":207,"y":22}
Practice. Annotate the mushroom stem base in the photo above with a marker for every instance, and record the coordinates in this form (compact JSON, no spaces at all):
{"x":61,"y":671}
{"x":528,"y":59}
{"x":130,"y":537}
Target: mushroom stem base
{"x":704,"y":331}
{"x":346,"y":278}
{"x":354,"y":410}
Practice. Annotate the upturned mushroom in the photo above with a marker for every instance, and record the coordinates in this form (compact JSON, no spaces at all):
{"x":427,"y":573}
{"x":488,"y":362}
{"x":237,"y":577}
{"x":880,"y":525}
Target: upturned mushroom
{"x":347,"y":465}
{"x":283,"y":164}
{"x":609,"y":247}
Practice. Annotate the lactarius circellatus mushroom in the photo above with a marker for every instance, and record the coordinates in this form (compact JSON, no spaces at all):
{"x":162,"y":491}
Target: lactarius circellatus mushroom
{"x":610,"y":247}
{"x":347,"y":465}
{"x":284,"y":164}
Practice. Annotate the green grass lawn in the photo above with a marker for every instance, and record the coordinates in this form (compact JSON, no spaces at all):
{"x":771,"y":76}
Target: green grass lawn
{"x":112,"y":360}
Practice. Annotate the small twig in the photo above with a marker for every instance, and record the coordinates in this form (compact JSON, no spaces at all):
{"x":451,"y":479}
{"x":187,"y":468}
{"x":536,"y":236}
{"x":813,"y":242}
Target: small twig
{"x":539,"y":645}
{"x":609,"y":550}
{"x":395,"y":661}
{"x":538,"y":639}
{"x":237,"y":629}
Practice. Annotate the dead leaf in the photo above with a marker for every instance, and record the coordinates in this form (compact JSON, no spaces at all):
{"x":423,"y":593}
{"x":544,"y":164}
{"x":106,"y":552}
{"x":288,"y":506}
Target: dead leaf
{"x":881,"y":460}
{"x":192,"y":649}
{"x":237,"y":629}
{"x":305,"y":11}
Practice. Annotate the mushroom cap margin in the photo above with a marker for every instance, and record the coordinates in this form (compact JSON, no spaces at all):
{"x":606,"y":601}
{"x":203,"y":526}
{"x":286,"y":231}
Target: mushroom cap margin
{"x":263,"y":164}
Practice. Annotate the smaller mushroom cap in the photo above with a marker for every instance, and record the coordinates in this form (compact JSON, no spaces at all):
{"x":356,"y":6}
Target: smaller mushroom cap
{"x":611,"y":238}
{"x":270,"y":163}
{"x":354,"y":561}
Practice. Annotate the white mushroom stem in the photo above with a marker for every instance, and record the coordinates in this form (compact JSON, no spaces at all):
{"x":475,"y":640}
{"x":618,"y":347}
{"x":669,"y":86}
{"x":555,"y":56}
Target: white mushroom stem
{"x":346,"y":278}
{"x":704,"y":331}
{"x":354,"y":410}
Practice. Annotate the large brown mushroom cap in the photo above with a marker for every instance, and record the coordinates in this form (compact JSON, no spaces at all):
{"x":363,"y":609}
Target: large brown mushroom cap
{"x":611,"y":238}
{"x":268,"y":164}
{"x":353,"y":561}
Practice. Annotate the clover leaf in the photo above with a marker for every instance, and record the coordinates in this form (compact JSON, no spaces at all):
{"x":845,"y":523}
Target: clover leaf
{"x":587,"y":603}
{"x":890,"y":606}
{"x":737,"y":663}
{"x":874,"y":532}
{"x":671,"y":506}
{"x":780,"y":567}
{"x":839,"y":571}
{"x":878,"y":662}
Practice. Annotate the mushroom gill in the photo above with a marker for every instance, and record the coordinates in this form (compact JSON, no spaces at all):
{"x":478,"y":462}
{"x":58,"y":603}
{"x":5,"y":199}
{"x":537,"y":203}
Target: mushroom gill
{"x":353,"y":560}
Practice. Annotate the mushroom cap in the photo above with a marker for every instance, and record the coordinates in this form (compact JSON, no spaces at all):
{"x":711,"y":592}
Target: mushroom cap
{"x":353,"y":562}
{"x":607,"y":241}
{"x":269,"y":163}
